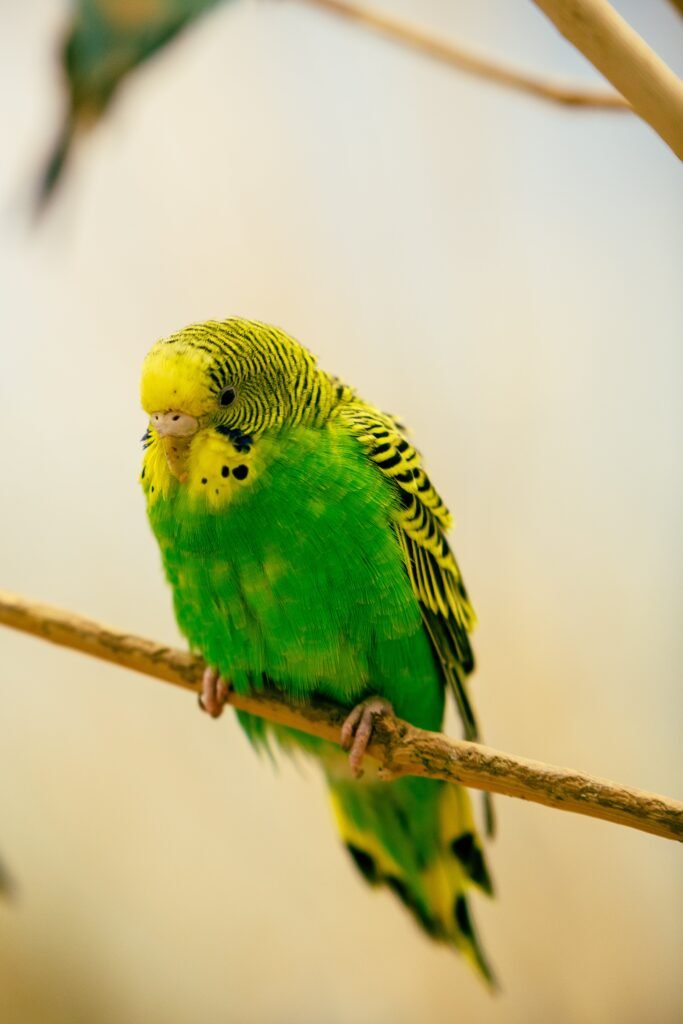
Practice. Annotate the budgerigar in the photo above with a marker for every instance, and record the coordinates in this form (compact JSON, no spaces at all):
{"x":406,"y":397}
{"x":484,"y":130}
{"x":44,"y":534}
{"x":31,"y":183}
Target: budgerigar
{"x":106,"y":41}
{"x":305,"y":546}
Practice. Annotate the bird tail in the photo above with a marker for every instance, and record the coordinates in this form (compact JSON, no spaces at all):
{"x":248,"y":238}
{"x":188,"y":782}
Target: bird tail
{"x":417,"y":837}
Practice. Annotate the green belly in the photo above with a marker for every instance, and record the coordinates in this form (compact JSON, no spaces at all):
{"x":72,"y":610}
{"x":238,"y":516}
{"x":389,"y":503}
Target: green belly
{"x":300,"y":580}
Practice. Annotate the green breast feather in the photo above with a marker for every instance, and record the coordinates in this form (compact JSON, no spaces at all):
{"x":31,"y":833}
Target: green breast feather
{"x":304,"y":546}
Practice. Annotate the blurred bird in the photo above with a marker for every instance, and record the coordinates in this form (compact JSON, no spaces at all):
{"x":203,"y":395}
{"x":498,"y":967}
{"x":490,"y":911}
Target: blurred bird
{"x":305,"y":546}
{"x":106,"y":41}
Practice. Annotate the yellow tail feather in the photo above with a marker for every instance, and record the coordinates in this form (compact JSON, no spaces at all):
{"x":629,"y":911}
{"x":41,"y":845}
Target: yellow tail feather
{"x":423,"y":845}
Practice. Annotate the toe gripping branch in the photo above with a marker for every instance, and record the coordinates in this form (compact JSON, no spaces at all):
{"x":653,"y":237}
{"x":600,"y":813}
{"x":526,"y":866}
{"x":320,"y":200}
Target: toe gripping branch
{"x":357,"y":730}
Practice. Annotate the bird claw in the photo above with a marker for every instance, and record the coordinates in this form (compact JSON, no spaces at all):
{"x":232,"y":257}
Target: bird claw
{"x":214,"y":693}
{"x":356,"y":732}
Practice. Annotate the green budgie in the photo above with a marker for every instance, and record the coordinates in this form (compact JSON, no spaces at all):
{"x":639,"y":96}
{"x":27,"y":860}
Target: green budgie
{"x":305,"y":546}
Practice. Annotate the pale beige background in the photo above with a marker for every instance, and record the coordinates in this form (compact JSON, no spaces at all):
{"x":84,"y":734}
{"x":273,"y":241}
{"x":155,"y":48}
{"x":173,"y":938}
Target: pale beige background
{"x":506,"y":276}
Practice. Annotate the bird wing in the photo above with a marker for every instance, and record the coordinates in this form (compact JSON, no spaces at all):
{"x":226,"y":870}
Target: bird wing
{"x":420,"y":524}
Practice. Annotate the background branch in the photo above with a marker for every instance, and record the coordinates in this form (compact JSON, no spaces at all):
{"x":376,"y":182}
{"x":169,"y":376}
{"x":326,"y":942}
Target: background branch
{"x":615,"y":49}
{"x":400,"y":748}
{"x":473,"y":63}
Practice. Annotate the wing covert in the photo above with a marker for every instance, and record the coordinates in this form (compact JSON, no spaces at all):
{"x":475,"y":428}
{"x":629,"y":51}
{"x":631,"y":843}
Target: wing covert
{"x":420,"y":523}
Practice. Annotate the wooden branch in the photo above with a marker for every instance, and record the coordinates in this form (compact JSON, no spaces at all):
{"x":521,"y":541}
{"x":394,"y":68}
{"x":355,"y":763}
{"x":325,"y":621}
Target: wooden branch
{"x":400,"y":748}
{"x":615,"y":49}
{"x":473,"y":63}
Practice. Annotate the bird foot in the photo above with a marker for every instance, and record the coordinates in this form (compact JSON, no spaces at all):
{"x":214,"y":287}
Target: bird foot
{"x":356,"y":731}
{"x":214,"y":693}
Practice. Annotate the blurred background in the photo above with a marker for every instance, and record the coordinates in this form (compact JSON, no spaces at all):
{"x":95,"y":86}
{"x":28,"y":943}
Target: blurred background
{"x":504,"y":274}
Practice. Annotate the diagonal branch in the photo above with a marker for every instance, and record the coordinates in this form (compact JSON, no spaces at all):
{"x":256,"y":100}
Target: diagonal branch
{"x":615,"y":49}
{"x":400,"y":748}
{"x":473,"y":63}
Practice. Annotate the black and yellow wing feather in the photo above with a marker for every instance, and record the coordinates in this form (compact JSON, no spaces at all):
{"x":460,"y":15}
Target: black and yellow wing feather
{"x":420,"y":524}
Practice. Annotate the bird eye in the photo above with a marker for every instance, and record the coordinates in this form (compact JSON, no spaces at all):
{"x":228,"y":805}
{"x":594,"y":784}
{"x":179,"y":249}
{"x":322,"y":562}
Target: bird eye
{"x":228,"y":396}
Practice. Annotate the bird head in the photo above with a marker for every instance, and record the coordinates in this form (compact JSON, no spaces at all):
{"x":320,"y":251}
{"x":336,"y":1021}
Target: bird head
{"x":236,"y":375}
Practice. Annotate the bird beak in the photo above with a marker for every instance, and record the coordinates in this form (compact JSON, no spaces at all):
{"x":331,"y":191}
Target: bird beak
{"x":174,"y":423}
{"x":175,"y":429}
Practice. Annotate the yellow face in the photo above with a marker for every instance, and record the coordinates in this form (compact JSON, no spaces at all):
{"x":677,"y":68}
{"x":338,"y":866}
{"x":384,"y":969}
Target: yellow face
{"x":188,"y":442}
{"x":178,"y":396}
{"x":176,"y":377}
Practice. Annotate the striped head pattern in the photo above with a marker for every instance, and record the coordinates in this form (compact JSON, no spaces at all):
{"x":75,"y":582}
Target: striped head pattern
{"x":236,"y":374}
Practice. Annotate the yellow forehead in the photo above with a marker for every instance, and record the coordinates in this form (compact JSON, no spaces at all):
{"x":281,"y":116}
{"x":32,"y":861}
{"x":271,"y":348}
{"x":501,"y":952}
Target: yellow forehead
{"x":176,"y":377}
